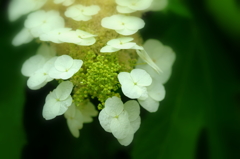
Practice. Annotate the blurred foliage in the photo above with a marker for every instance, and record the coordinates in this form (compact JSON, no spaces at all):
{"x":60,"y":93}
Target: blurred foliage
{"x":199,"y":118}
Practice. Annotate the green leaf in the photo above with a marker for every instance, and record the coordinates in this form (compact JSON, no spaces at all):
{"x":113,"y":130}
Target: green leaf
{"x":12,"y":137}
{"x":199,"y":102}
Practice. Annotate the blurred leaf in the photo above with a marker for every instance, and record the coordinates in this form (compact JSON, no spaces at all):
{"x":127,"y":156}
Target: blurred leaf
{"x":12,"y":136}
{"x":178,"y":7}
{"x":227,"y":14}
{"x":199,"y":97}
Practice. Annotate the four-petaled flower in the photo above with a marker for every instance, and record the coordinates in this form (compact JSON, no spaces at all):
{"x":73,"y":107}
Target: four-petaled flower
{"x":134,"y":84}
{"x":122,"y":120}
{"x":123,"y":24}
{"x":65,"y":67}
{"x":58,"y":101}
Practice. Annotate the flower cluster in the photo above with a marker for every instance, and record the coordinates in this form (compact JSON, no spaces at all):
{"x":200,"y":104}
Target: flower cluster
{"x":93,"y":49}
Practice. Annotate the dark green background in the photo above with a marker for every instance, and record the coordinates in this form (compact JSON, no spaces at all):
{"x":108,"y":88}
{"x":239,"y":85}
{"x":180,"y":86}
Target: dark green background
{"x":199,"y":118}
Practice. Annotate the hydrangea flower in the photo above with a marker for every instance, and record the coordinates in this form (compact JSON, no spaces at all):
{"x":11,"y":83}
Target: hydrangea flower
{"x":156,"y":93}
{"x":58,"y":101}
{"x":163,"y":57}
{"x":64,"y":2}
{"x":122,"y":24}
{"x":122,"y":120}
{"x":41,"y":77}
{"x":82,"y":13}
{"x":56,"y":35}
{"x":40,"y":22}
{"x":78,"y":37}
{"x":74,"y":120}
{"x":118,"y":44}
{"x":38,"y":66}
{"x":90,"y":47}
{"x":65,"y":67}
{"x":129,"y":6}
{"x":134,"y":84}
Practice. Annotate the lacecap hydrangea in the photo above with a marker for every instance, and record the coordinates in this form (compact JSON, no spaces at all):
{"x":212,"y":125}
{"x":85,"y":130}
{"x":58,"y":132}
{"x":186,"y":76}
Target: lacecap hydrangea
{"x":94,"y":50}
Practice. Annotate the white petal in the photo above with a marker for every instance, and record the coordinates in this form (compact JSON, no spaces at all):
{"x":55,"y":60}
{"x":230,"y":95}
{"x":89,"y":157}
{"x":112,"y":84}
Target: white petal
{"x":50,"y":108}
{"x":32,"y":64}
{"x":46,"y":51}
{"x":141,"y":5}
{"x":118,"y":40}
{"x":133,"y":109}
{"x":54,"y":35}
{"x":74,"y":127}
{"x":63,"y":63}
{"x":149,"y":104}
{"x":37,"y":80}
{"x":126,"y":31}
{"x":127,"y":140}
{"x":64,"y":105}
{"x":113,"y":106}
{"x":70,"y":113}
{"x":162,"y":56}
{"x":34,"y":19}
{"x":68,"y":2}
{"x":129,"y":88}
{"x":157,"y":91}
{"x":91,"y":10}
{"x":108,"y":49}
{"x":104,"y":120}
{"x":73,"y":11}
{"x":23,"y":37}
{"x":144,"y":55}
{"x":64,"y":90}
{"x":123,"y":9}
{"x":133,"y":23}
{"x":136,"y":124}
{"x":120,"y":126}
{"x":113,"y":22}
{"x":122,"y":43}
{"x":70,"y":37}
{"x":88,"y":110}
{"x":87,"y":42}
{"x":141,"y":77}
{"x":84,"y":34}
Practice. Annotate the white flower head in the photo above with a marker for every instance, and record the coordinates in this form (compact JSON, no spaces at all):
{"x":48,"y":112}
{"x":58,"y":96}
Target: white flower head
{"x":82,"y":13}
{"x":65,"y":67}
{"x":162,"y":56}
{"x":64,"y":2}
{"x":122,"y":120}
{"x":58,"y":101}
{"x":74,"y":120}
{"x":122,"y":24}
{"x":78,"y":37}
{"x":120,"y":43}
{"x":156,"y":93}
{"x":41,"y":22}
{"x":17,"y":8}
{"x":134,"y":84}
{"x":129,"y":6}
